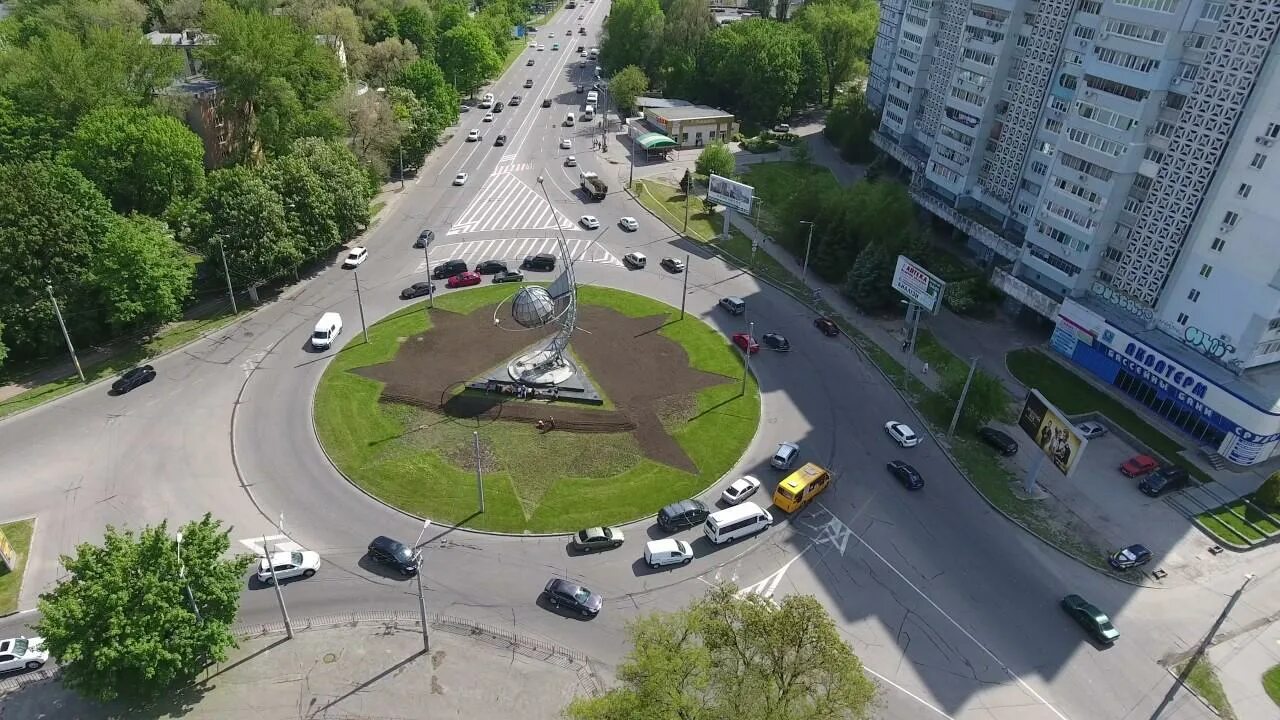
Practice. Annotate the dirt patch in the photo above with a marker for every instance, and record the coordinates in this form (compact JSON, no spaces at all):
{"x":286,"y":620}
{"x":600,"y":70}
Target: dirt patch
{"x":638,"y":368}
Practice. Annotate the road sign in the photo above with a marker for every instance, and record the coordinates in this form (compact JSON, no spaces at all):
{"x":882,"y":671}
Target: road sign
{"x":918,"y":285}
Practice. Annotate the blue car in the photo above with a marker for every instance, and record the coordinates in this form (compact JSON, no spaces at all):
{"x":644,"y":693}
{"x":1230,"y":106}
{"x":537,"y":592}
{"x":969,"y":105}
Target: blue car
{"x":1130,"y":557}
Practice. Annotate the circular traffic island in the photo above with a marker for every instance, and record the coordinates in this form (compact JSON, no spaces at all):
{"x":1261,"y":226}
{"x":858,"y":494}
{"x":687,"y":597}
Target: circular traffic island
{"x":653,"y":413}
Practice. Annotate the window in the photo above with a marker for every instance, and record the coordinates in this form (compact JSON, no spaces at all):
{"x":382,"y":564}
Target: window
{"x":956,"y":135}
{"x":1113,"y":254}
{"x":1244,"y":190}
{"x":1268,"y":348}
{"x":1198,"y":41}
{"x":1175,"y":101}
{"x":1182,"y":318}
{"x":1187,"y":71}
{"x":970,"y":97}
{"x":1024,"y":41}
{"x":1153,"y":155}
{"x":1135,"y":31}
{"x":1094,"y":142}
{"x":1164,"y":6}
{"x":916,"y":19}
{"x":1084,"y":32}
{"x":1053,"y":125}
{"x":1091,"y":7}
{"x":887,"y":113}
{"x":1053,"y":261}
{"x":906,"y":54}
{"x":1212,"y":11}
{"x":989,"y":13}
{"x":1132,"y":205}
{"x":1103,"y":116}
{"x":899,"y":102}
{"x":1206,"y":270}
{"x":1071,"y":57}
{"x":1217,"y":244}
{"x":1058,"y":103}
{"x":1231,"y":218}
{"x":1274,"y":324}
{"x":1258,"y":161}
{"x":1163,"y":129}
{"x":1273,"y":130}
{"x":1074,"y":217}
{"x":944,"y":172}
{"x":1079,"y":191}
{"x":1194,"y":295}
{"x":983,"y":34}
{"x":1046,"y":148}
{"x":970,"y":76}
{"x":1067,"y":80}
{"x":1024,"y":208}
{"x":982,"y":58}
{"x":1085,"y":167}
{"x":1128,"y":92}
{"x":1128,"y":61}
{"x":917,"y":39}
{"x":954,"y":156}
{"x":1039,"y":167}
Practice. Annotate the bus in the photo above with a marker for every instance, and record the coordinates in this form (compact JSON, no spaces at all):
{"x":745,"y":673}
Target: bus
{"x":801,"y":487}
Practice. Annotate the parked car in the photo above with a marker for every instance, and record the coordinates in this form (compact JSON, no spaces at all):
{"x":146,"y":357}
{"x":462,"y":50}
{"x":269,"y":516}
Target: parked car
{"x":132,"y":378}
{"x":682,"y":514}
{"x":22,"y":653}
{"x":1166,"y":479}
{"x":589,"y":222}
{"x":827,"y":326}
{"x":785,"y":456}
{"x":424,"y":239}
{"x":466,"y":279}
{"x":542,"y":261}
{"x":489,"y":267}
{"x":562,"y":593}
{"x":733,"y":304}
{"x":999,"y":440}
{"x":629,"y":223}
{"x":746,"y":343}
{"x":740,"y":489}
{"x":355,"y":257}
{"x":1138,"y":465}
{"x":782,"y":128}
{"x":635,"y":260}
{"x":902,"y":434}
{"x":673,"y":265}
{"x":394,"y":554}
{"x":1091,"y":429}
{"x":507,"y":276}
{"x":774,"y":341}
{"x":667,"y":551}
{"x":597,"y":538}
{"x":288,"y":564}
{"x":448,"y":269}
{"x":417,"y":290}
{"x":1130,"y":557}
{"x":1094,"y":621}
{"x":905,"y":474}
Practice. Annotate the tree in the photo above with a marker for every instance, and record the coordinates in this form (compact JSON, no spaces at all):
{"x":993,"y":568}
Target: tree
{"x":384,"y":62}
{"x":732,"y":655}
{"x":143,"y":275}
{"x":240,"y":211}
{"x":417,"y":26}
{"x":25,"y":137}
{"x":633,"y":36}
{"x":687,"y":25}
{"x":467,"y":56}
{"x":309,"y":209}
{"x":986,"y":399}
{"x":849,"y":126}
{"x":629,"y":83}
{"x":755,"y":67}
{"x":374,"y":130}
{"x":419,"y":125}
{"x":868,"y":281}
{"x":139,"y":159}
{"x":839,"y":33}
{"x":715,"y":159}
{"x":345,"y":182}
{"x":134,"y":618}
{"x":1267,"y":495}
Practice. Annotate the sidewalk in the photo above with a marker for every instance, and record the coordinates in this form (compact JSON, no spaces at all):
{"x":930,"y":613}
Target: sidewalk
{"x":365,"y":671}
{"x":1240,"y":663}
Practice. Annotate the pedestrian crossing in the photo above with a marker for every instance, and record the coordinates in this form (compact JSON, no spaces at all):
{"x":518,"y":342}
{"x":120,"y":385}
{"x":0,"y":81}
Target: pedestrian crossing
{"x":505,"y":202}
{"x":277,"y":543}
{"x":506,"y":166}
{"x":513,"y":250}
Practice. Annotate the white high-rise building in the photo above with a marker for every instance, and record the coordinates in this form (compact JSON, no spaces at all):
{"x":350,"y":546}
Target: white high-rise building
{"x":1111,"y":161}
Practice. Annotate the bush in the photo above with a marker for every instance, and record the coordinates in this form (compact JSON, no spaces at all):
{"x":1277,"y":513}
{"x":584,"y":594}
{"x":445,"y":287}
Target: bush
{"x":760,"y":144}
{"x":1268,"y":495}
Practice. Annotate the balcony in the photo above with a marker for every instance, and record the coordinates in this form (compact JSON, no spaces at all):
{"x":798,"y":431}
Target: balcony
{"x":1025,"y":294}
{"x":971,"y":221}
{"x":913,"y":162}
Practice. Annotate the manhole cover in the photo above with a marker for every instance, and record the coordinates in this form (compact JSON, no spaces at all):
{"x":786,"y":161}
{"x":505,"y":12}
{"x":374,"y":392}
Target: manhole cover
{"x":330,"y":658}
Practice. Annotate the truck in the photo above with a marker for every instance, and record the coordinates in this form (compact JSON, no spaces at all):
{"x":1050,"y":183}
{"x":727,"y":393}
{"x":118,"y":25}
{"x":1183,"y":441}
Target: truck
{"x":593,"y":185}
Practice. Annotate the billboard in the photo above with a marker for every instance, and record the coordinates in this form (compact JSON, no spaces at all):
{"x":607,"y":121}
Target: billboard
{"x":730,"y":194}
{"x":918,"y":285}
{"x":8,"y":557}
{"x":1050,"y":430}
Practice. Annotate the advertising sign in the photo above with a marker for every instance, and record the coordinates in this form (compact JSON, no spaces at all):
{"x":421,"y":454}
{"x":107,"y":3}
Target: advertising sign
{"x":918,"y":285}
{"x":8,"y":558}
{"x":730,"y":194}
{"x":1050,"y":430}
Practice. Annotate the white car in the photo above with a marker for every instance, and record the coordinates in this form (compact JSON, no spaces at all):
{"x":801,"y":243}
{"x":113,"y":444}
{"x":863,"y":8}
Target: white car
{"x":565,"y":144}
{"x":785,"y":456}
{"x":635,"y":260}
{"x":589,"y":222}
{"x":667,"y":551}
{"x":629,"y":223}
{"x":473,"y":135}
{"x":1091,"y":429}
{"x":740,"y":489}
{"x":488,"y":117}
{"x":901,"y":434}
{"x":289,"y":564}
{"x":22,"y":653}
{"x":541,"y":48}
{"x":355,"y":257}
{"x":571,"y":161}
{"x":460,"y":179}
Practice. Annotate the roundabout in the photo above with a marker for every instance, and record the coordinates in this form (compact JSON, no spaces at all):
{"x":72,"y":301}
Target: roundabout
{"x":410,"y":415}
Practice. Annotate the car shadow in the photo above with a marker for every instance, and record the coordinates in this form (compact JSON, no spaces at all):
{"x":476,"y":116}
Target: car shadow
{"x":657,"y":532}
{"x":640,"y":568}
{"x":373,"y":567}
{"x":256,"y":584}
{"x":563,"y":612}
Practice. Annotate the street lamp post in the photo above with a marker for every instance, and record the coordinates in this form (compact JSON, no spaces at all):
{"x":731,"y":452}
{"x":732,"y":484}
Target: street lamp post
{"x":804,"y":269}
{"x":746,"y":368}
{"x":182,"y":574}
{"x":275,"y":583}
{"x":231,"y":293}
{"x":422,"y":602}
{"x":360,"y":302}
{"x":57,"y":311}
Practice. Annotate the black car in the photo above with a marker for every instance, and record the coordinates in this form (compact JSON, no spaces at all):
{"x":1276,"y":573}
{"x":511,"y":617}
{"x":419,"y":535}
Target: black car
{"x":417,"y":290}
{"x":562,"y":593}
{"x":999,"y":440}
{"x":581,"y":90}
{"x":509,"y":276}
{"x":527,"y":83}
{"x":541,"y":261}
{"x":424,"y":239}
{"x":1169,"y":477}
{"x":133,"y":378}
{"x":1130,"y":557}
{"x":515,"y":100}
{"x":546,"y":102}
{"x":489,"y":267}
{"x":500,"y":141}
{"x":906,"y":475}
{"x":448,"y":269}
{"x":394,"y":554}
{"x":529,"y":62}
{"x":497,"y":107}
{"x":683,"y":514}
{"x":774,"y":341}
{"x":827,"y":326}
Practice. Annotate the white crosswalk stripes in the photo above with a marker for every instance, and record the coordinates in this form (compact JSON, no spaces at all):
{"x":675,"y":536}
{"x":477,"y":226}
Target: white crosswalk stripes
{"x":513,"y":250}
{"x":513,"y":167}
{"x":506,"y":203}
{"x":277,"y":543}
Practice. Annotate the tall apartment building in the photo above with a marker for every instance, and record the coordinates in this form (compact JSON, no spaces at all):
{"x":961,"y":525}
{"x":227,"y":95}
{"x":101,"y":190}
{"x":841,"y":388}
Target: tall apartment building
{"x":1111,"y":160}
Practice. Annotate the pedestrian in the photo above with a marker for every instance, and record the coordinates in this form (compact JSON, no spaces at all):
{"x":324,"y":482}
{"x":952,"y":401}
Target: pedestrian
{"x":905,"y":344}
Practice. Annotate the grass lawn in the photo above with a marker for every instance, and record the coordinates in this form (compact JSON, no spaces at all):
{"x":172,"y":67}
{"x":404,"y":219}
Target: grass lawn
{"x":1204,"y":680}
{"x":172,"y":336}
{"x":1224,"y":516}
{"x":1271,"y":683}
{"x":777,"y":182}
{"x":1073,"y":395}
{"x":940,"y":359}
{"x":19,"y":535}
{"x":423,"y":463}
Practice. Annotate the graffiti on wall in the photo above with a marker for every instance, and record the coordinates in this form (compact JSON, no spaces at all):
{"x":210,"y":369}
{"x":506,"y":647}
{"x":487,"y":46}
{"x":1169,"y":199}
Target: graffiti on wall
{"x":1121,"y":300}
{"x":1212,"y":347}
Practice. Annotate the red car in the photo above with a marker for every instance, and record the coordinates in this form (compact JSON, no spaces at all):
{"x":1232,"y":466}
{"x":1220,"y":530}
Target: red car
{"x":464,"y":279}
{"x":746,"y":342}
{"x":1138,"y":466}
{"x":827,"y":326}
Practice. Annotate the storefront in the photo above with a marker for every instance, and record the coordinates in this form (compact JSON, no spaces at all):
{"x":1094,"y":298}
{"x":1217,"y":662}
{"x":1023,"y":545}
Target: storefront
{"x":1212,"y":415}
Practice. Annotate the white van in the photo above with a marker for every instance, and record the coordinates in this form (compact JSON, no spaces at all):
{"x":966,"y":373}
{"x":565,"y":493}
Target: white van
{"x":593,"y":53}
{"x":736,"y":522}
{"x":592,"y":97}
{"x":486,"y":102}
{"x":589,"y":113}
{"x":568,"y":120}
{"x":326,"y":331}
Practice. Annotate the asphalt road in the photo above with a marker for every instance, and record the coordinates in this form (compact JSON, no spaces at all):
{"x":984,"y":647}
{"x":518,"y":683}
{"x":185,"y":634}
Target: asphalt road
{"x":953,"y":609}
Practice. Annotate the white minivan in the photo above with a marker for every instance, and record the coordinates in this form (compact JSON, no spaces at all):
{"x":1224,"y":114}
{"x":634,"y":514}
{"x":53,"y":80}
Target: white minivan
{"x":592,"y":97}
{"x":568,"y":120}
{"x":326,"y":331}
{"x":588,"y":113}
{"x":736,"y":522}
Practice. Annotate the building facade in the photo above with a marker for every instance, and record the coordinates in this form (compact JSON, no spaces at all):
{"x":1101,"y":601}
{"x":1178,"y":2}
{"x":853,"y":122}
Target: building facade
{"x":1109,"y":159}
{"x":692,"y":126}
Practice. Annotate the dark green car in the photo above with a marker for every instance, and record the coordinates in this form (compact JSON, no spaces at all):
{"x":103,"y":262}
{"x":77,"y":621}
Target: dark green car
{"x":1094,"y":621}
{"x":597,"y":538}
{"x":509,"y":276}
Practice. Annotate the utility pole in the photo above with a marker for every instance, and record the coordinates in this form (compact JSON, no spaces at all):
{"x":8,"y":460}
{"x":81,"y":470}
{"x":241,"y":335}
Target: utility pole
{"x":284,"y":612}
{"x":746,"y":369}
{"x":684,"y":293}
{"x":479,"y":480}
{"x":913,"y":310}
{"x":57,"y":311}
{"x":231,"y":293}
{"x":401,"y":144}
{"x":973,"y":366}
{"x":422,"y":602}
{"x":360,"y":302}
{"x":431,"y":296}
{"x":804,"y":269}
{"x":182,"y":575}
{"x":687,"y":193}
